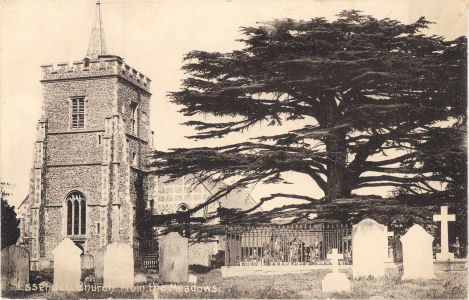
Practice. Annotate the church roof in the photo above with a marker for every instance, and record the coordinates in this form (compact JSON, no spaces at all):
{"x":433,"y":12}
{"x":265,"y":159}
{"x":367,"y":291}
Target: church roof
{"x":97,"y":45}
{"x":25,"y":200}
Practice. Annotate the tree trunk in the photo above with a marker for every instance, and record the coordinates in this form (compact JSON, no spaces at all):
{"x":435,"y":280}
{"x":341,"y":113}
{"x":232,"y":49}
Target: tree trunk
{"x":338,"y":178}
{"x":338,"y":183}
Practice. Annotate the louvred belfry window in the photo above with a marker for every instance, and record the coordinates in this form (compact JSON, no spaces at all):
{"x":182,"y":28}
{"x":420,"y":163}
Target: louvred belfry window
{"x":78,"y":113}
{"x":76,"y":214}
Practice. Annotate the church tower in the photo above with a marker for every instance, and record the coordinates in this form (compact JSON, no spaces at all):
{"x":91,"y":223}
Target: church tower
{"x":91,"y":148}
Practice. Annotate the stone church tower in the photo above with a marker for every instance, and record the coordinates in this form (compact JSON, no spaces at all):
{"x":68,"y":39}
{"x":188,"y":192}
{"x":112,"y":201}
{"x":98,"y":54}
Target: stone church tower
{"x":90,"y":153}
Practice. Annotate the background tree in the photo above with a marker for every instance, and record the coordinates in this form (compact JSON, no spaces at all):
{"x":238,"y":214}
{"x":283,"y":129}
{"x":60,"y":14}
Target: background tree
{"x":373,"y":96}
{"x":10,"y":230}
{"x":444,"y":153}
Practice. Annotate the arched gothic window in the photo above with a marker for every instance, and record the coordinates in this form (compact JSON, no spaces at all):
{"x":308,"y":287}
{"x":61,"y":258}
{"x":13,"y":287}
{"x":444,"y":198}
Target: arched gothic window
{"x":76,"y":214}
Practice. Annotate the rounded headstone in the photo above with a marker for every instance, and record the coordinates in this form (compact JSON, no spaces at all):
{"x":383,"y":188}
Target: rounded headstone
{"x":67,"y":266}
{"x":417,"y":254}
{"x":369,"y":248}
{"x":118,"y":266}
{"x":15,"y":267}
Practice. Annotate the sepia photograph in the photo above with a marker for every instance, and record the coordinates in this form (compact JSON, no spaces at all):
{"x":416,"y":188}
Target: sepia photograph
{"x":212,"y":149}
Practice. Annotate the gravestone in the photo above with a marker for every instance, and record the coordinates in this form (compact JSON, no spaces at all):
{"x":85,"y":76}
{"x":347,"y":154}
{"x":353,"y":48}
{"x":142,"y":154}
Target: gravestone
{"x":118,"y":266}
{"x":369,"y":248}
{"x":87,"y":262}
{"x":389,"y":250}
{"x":417,"y":254}
{"x":140,"y":278}
{"x":444,"y":218}
{"x":192,"y":279}
{"x":335,"y":282}
{"x":15,"y":268}
{"x":99,"y":264}
{"x":174,"y":258}
{"x":44,"y":263}
{"x":397,"y":249}
{"x":67,"y":266}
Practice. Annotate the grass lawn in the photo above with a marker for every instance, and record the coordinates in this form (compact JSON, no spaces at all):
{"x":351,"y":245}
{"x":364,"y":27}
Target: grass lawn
{"x":306,"y":286}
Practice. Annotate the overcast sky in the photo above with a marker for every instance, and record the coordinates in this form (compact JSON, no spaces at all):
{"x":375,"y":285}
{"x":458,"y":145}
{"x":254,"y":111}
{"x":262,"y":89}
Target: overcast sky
{"x":152,"y":36}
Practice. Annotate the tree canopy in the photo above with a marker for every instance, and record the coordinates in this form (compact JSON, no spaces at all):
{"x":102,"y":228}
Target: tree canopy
{"x":10,"y":229}
{"x":380,"y":102}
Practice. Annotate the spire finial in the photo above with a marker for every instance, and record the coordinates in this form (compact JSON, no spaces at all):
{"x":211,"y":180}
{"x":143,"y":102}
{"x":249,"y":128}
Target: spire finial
{"x":97,"y":44}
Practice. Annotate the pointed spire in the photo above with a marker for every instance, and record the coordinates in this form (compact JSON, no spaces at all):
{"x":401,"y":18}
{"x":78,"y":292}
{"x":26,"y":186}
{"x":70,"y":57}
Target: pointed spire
{"x":97,"y":44}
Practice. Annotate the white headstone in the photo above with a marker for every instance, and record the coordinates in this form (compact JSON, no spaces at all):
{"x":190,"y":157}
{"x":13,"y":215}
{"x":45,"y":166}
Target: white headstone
{"x":369,"y":248}
{"x":335,"y":282}
{"x":417,"y":254}
{"x":444,"y":218}
{"x":67,"y":266}
{"x":118,"y":266}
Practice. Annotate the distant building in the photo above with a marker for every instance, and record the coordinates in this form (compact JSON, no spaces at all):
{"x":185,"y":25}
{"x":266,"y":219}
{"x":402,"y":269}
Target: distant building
{"x":6,"y":189}
{"x":183,"y":194}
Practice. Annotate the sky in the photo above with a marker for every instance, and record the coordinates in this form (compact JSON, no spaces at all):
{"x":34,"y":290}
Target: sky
{"x":153,"y":36}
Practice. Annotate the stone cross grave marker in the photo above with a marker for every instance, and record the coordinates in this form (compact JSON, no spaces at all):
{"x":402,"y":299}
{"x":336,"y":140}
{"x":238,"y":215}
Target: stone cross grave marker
{"x":67,"y":266}
{"x":118,"y":266}
{"x":335,"y":282}
{"x":174,"y":258}
{"x":15,"y":268}
{"x":417,"y":254}
{"x":334,"y":257}
{"x":369,"y":248}
{"x":444,"y":218}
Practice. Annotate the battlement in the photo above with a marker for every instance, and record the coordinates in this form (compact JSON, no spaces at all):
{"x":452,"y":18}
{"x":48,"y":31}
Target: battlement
{"x":103,"y":66}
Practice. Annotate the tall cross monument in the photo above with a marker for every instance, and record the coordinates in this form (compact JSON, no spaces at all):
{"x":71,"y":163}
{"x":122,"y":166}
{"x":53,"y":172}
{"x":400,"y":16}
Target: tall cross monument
{"x":444,"y":218}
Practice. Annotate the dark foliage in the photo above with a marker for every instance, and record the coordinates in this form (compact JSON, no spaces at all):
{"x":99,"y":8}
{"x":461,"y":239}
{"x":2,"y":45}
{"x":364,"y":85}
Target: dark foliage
{"x":10,"y":229}
{"x":378,"y":98}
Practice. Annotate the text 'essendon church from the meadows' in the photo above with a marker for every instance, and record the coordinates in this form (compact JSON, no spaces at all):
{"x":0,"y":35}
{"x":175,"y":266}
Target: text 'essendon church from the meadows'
{"x":92,"y":146}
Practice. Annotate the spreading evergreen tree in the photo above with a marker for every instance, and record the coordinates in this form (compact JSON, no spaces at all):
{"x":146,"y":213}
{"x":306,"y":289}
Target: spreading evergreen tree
{"x":373,"y":97}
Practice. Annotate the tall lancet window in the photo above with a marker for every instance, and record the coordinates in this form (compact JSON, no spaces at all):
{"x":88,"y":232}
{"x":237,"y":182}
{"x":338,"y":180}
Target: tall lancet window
{"x":83,"y":217}
{"x":76,"y":217}
{"x":76,"y":214}
{"x":69,"y":217}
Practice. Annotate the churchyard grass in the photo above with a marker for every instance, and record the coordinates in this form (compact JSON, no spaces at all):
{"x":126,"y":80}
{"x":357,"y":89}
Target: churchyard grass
{"x":308,"y":285}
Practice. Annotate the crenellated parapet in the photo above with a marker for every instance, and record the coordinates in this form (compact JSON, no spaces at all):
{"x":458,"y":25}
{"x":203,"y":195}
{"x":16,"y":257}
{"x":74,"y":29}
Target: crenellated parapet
{"x":106,"y":65}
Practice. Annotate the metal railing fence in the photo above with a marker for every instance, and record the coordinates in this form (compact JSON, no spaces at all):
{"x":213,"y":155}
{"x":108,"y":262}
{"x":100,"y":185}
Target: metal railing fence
{"x":304,"y":244}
